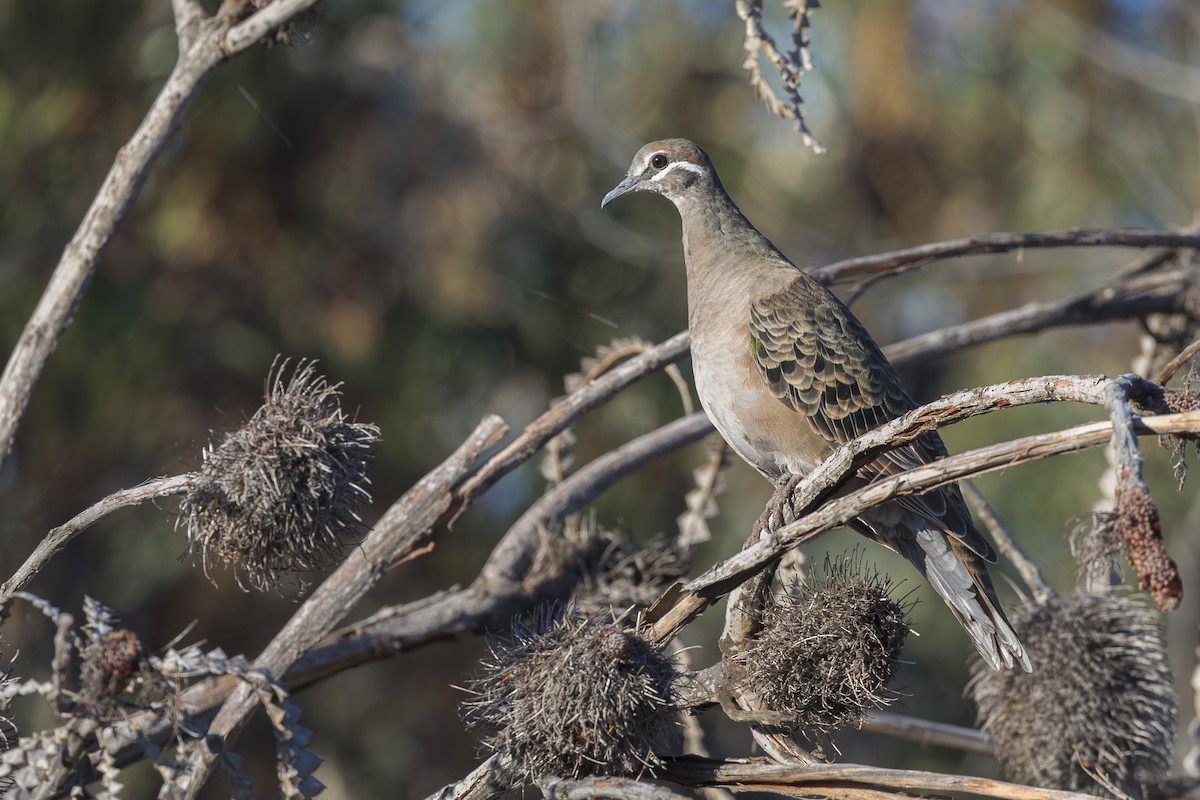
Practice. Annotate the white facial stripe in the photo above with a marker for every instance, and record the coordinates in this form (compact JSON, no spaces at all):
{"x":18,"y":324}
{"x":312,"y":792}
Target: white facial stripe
{"x":680,"y":165}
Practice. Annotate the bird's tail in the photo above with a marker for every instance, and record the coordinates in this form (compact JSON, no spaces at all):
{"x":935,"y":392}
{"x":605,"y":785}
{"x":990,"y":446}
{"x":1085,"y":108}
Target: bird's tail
{"x":959,"y":575}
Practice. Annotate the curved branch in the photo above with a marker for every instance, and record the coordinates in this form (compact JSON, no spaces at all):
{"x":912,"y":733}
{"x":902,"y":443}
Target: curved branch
{"x":1169,"y":371}
{"x":911,"y":258}
{"x":1124,"y":297}
{"x":928,"y":732}
{"x":987,"y":514}
{"x":564,"y":413}
{"x":204,"y":44}
{"x":511,"y":557}
{"x":57,"y":539}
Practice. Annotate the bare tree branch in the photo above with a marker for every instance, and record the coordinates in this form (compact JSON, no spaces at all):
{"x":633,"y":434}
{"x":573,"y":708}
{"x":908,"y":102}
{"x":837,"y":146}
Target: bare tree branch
{"x":188,"y":16}
{"x":928,"y":732}
{"x":1137,"y":519}
{"x":1005,"y":543}
{"x":602,"y":788}
{"x":570,"y":408}
{"x":57,"y":539}
{"x":490,"y":779}
{"x":912,"y":258}
{"x":214,"y":41}
{"x":1126,"y":296}
{"x":510,"y":558}
{"x":842,"y":780}
{"x":1175,"y":364}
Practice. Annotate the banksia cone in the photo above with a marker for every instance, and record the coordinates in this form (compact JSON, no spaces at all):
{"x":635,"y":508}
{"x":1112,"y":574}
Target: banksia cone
{"x":828,"y":649}
{"x":568,"y":696}
{"x":284,"y":493}
{"x":617,"y":575}
{"x":1097,"y":712}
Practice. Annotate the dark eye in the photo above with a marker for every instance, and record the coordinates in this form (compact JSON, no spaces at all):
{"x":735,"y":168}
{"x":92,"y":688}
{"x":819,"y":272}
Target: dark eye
{"x":659,"y":160}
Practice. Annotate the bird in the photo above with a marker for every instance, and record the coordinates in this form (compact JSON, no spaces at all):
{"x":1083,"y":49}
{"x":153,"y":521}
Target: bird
{"x":787,"y":374}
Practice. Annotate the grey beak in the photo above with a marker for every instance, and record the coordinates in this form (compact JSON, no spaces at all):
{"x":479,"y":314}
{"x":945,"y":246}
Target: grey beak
{"x":624,"y":187}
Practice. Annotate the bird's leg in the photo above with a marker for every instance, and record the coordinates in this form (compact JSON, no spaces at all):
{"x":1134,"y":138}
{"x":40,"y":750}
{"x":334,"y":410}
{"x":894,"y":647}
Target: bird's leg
{"x":778,"y":509}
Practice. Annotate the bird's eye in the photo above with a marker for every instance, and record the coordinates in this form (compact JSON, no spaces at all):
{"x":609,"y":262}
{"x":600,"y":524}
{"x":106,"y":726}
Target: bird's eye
{"x":659,"y":160}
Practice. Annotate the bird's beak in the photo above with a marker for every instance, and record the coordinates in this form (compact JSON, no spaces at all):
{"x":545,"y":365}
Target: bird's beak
{"x":626,"y":186}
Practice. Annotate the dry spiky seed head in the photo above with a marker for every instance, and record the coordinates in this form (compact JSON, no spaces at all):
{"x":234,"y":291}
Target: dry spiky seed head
{"x":1139,"y":527}
{"x":828,"y":649}
{"x":618,"y":574}
{"x":566,"y":695}
{"x":284,"y":493}
{"x":110,"y":661}
{"x":1099,"y":707}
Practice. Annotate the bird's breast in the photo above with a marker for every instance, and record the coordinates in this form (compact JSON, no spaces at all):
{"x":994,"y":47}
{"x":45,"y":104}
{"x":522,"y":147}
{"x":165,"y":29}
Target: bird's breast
{"x":766,"y":433}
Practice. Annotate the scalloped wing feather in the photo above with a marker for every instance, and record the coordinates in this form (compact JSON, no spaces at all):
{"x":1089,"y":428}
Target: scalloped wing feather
{"x":819,"y":360}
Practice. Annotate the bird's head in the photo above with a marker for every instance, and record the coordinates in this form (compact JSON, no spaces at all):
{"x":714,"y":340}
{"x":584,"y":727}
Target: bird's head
{"x":669,"y":167}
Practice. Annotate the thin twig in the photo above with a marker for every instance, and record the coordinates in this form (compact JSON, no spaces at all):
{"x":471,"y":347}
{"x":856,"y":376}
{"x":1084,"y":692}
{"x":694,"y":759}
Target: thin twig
{"x":1005,"y":543}
{"x":57,"y":539}
{"x":1130,"y":296}
{"x":1176,"y":363}
{"x":564,"y":413}
{"x":898,"y":261}
{"x":928,"y":732}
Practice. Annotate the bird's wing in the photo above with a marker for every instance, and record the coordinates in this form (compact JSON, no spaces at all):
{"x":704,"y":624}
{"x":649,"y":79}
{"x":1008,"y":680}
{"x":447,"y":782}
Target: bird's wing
{"x":819,"y":360}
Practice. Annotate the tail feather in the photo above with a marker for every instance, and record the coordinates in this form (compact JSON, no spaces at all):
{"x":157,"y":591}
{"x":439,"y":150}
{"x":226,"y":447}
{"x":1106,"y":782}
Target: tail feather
{"x":959,"y":576}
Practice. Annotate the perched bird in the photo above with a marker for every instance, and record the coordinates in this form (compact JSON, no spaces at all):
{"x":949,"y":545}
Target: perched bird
{"x":787,"y":374}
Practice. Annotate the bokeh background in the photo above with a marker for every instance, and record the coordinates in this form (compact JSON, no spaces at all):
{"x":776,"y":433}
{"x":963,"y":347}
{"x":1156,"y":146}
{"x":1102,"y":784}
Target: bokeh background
{"x":410,"y":194}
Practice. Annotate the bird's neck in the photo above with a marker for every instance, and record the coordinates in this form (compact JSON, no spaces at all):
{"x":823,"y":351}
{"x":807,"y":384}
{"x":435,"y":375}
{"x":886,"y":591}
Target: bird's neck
{"x":725,"y":255}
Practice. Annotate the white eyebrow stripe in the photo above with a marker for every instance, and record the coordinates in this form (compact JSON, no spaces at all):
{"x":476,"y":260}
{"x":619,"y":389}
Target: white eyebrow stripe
{"x":690,"y":167}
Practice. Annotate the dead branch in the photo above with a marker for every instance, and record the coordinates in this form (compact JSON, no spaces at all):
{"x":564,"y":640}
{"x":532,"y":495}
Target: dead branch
{"x":899,"y":261}
{"x":928,"y":732}
{"x":602,"y":788}
{"x":510,"y":559}
{"x":490,"y":779}
{"x":842,"y":780}
{"x":1126,"y":296}
{"x":1175,"y":364}
{"x":790,"y":64}
{"x":57,"y":539}
{"x":1005,"y":543}
{"x":203,"y":44}
{"x":566,"y":411}
{"x":1137,"y":520}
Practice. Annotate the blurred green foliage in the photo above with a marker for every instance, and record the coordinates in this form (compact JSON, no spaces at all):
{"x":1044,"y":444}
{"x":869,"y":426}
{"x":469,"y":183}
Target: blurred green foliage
{"x":410,"y":193}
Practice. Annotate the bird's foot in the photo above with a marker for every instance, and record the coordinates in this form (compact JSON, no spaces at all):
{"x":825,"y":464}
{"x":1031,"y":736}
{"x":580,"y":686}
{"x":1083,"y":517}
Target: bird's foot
{"x":778,"y":510}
